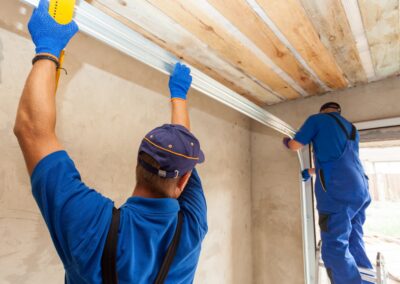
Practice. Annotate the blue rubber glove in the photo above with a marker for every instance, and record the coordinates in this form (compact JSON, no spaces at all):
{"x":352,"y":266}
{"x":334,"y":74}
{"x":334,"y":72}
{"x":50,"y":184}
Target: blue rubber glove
{"x":306,"y":175}
{"x":47,"y":35}
{"x":286,"y":141}
{"x":180,"y":81}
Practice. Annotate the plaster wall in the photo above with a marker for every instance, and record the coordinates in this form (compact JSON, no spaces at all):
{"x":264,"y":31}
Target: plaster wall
{"x":106,"y":105}
{"x":277,"y":247}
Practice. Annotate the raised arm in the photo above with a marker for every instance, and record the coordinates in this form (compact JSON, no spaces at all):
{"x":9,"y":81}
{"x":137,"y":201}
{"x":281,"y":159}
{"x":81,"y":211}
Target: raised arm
{"x":36,"y":115}
{"x":179,"y":84}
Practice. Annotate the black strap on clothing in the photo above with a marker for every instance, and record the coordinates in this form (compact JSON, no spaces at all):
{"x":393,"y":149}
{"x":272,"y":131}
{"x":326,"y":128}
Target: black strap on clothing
{"x":169,"y":257}
{"x":109,"y":257}
{"x":352,"y":136}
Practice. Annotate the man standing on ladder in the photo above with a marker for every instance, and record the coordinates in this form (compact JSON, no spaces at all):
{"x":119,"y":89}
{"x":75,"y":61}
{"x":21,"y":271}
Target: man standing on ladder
{"x":341,"y":191}
{"x":156,"y":236}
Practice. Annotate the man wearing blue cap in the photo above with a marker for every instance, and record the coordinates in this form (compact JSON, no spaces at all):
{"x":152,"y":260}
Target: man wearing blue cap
{"x":341,"y":191}
{"x":156,"y":236}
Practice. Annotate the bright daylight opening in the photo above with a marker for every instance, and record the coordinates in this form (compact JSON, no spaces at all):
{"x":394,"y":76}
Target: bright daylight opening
{"x":382,"y":228}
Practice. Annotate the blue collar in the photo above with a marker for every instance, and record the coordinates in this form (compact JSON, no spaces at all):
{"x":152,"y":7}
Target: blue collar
{"x":153,"y":205}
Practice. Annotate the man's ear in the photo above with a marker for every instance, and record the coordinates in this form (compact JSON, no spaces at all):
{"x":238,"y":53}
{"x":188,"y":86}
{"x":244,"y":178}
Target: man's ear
{"x":183,"y":182}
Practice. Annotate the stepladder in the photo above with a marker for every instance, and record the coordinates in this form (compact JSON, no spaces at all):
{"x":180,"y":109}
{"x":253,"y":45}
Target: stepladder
{"x":376,"y":275}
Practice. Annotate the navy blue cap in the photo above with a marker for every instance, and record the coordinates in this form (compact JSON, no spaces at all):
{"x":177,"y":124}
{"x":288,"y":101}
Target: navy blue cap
{"x":175,"y":149}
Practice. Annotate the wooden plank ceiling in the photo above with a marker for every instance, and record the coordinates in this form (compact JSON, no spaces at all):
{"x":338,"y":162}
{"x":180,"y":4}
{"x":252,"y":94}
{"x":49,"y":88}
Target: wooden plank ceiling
{"x":271,"y":51}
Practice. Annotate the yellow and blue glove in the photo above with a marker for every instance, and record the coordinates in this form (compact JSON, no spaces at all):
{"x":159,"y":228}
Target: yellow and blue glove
{"x":306,"y":175}
{"x":47,"y":35}
{"x":180,"y":81}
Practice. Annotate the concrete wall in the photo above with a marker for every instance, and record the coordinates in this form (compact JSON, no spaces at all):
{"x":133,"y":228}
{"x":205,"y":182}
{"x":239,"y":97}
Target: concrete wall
{"x":105,"y":106}
{"x":277,"y":249}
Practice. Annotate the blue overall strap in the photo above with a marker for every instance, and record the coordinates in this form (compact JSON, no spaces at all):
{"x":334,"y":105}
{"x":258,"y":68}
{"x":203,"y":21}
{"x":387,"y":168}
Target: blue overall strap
{"x":109,"y":257}
{"x":169,"y":257}
{"x":352,"y":136}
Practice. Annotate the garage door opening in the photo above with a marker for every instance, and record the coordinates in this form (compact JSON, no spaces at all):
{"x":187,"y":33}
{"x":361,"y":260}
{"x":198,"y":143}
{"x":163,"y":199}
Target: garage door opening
{"x":381,"y":160}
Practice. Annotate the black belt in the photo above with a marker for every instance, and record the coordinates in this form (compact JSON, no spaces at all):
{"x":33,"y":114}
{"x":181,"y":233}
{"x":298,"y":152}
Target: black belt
{"x":109,"y":257}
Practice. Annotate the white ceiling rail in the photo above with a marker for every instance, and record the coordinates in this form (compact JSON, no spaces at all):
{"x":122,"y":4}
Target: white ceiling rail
{"x":99,"y":25}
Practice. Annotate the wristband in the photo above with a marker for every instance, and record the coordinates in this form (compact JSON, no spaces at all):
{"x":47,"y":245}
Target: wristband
{"x":46,"y":57}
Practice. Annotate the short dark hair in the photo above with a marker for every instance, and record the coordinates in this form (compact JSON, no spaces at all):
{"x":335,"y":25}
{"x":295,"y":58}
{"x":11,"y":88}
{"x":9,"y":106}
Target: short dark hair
{"x":333,"y":105}
{"x":159,"y":186}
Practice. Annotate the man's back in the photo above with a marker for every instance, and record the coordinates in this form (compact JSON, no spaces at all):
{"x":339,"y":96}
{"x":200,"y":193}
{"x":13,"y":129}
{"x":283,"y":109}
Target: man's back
{"x":328,"y":139}
{"x":78,"y":219}
{"x":146,"y":229}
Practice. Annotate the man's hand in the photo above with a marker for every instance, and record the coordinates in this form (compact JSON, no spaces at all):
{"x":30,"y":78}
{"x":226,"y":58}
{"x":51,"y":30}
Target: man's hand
{"x":292,"y":144}
{"x":180,"y":81}
{"x":49,"y":36}
{"x":306,"y":174}
{"x":179,"y":84}
{"x":286,"y":141}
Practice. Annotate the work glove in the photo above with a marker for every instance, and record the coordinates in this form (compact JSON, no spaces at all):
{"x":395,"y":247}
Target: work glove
{"x":306,"y":175}
{"x":180,"y":81}
{"x":47,"y":35}
{"x":286,"y":141}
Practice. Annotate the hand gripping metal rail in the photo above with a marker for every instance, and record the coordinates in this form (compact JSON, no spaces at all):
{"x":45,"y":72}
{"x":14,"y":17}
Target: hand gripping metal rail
{"x":112,"y":32}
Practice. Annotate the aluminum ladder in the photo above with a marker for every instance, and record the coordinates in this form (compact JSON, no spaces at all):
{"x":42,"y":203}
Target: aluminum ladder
{"x":377,"y":275}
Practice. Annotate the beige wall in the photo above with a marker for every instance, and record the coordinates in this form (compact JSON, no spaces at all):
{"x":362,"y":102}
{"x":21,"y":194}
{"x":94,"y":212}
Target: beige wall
{"x":277,"y":248}
{"x":105,"y":106}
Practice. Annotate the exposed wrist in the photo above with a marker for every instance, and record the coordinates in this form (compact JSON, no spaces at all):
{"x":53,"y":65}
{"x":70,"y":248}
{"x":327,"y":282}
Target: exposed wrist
{"x":178,"y":100}
{"x":48,"y":54}
{"x":46,"y":57}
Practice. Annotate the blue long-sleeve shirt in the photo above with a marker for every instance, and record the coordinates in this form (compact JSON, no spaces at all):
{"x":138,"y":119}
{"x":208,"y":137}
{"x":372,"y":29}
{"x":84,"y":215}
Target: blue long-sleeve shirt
{"x":78,"y":219}
{"x":325,"y":134}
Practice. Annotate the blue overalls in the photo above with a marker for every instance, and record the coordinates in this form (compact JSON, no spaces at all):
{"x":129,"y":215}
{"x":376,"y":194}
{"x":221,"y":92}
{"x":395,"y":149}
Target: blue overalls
{"x":342,"y":195}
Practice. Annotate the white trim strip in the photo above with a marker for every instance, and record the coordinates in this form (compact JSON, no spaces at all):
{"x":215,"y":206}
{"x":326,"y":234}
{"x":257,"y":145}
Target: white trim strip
{"x":379,"y":123}
{"x":108,"y":30}
{"x":354,"y":18}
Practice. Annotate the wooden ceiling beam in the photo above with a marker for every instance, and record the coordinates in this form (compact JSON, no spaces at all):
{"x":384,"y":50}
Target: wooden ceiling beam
{"x":330,"y":20}
{"x":382,"y":26}
{"x":190,"y":15}
{"x":239,"y":13}
{"x":291,"y":19}
{"x":143,"y":18}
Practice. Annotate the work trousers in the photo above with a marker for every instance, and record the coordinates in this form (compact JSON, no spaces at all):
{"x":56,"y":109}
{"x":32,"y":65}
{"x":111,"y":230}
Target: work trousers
{"x":343,"y":246}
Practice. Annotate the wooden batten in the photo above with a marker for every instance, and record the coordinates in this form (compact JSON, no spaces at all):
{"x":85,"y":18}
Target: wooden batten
{"x":291,"y":18}
{"x":382,"y":26}
{"x":330,"y":21}
{"x":143,"y":18}
{"x":188,"y":14}
{"x":258,"y":32}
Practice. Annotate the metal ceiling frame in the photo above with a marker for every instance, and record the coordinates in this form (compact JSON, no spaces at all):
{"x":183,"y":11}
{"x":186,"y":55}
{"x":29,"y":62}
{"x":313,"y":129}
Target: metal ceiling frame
{"x":97,"y":24}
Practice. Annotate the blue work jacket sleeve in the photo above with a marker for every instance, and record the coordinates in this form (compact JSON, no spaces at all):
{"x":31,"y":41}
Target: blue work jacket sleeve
{"x":193,"y":202}
{"x":308,"y":131}
{"x":77,"y":217}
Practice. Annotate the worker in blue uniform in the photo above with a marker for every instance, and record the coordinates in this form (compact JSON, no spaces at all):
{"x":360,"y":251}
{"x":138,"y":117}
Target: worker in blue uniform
{"x":83,"y":224}
{"x":341,"y":190}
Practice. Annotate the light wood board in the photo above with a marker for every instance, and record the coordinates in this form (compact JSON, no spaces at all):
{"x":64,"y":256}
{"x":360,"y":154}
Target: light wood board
{"x":190,"y":15}
{"x":291,"y":19}
{"x":330,"y":21}
{"x":250,"y":24}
